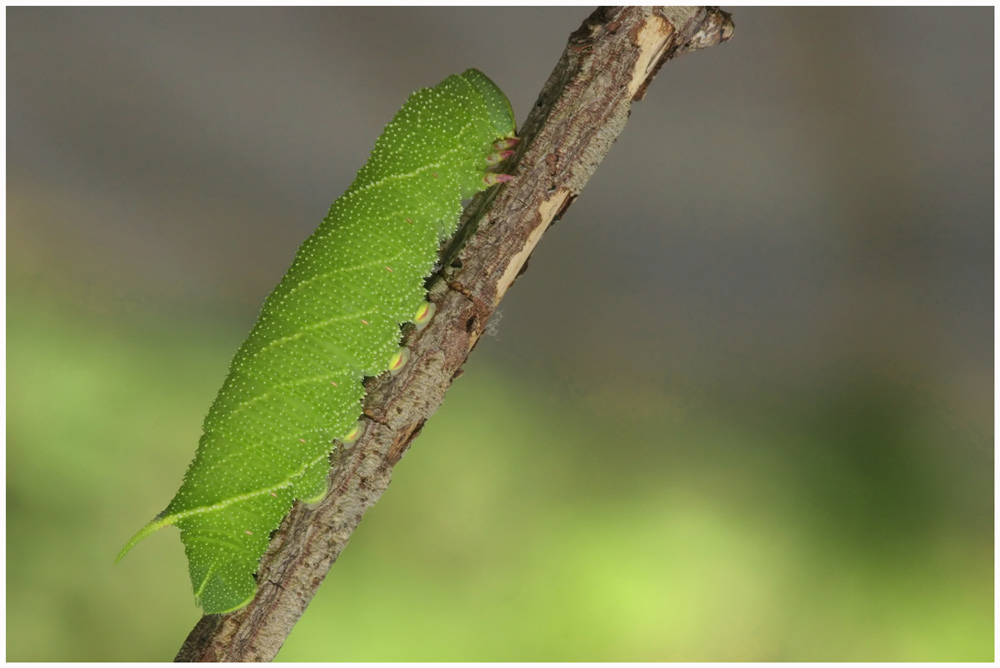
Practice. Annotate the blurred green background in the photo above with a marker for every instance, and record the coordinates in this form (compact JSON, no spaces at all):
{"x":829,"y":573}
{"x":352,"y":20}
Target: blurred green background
{"x":739,"y":408}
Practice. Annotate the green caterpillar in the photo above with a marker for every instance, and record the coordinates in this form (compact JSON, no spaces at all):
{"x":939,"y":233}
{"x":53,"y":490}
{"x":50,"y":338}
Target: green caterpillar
{"x":295,"y":385}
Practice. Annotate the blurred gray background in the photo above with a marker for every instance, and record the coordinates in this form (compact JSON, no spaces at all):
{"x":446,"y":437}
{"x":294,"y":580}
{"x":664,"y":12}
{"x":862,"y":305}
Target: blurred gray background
{"x":738,"y":408}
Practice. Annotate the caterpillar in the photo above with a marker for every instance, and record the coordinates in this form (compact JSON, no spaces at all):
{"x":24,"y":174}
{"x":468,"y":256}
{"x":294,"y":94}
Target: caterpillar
{"x":295,"y":385}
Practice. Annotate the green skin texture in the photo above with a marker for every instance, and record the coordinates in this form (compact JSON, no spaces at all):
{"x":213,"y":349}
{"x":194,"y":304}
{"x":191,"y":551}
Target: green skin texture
{"x":295,"y":385}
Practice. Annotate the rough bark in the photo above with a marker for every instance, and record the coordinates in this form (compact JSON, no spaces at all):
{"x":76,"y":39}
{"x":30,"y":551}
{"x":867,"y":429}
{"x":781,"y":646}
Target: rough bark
{"x":607,"y":64}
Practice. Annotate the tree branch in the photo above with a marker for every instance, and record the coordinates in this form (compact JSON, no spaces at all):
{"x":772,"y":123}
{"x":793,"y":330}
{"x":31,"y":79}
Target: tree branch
{"x":608,"y":63}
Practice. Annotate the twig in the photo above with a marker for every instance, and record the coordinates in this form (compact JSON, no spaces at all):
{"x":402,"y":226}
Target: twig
{"x":608,"y":63}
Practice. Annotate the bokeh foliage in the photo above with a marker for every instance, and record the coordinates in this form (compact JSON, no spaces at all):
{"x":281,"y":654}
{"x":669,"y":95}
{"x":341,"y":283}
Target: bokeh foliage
{"x":517,"y":528}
